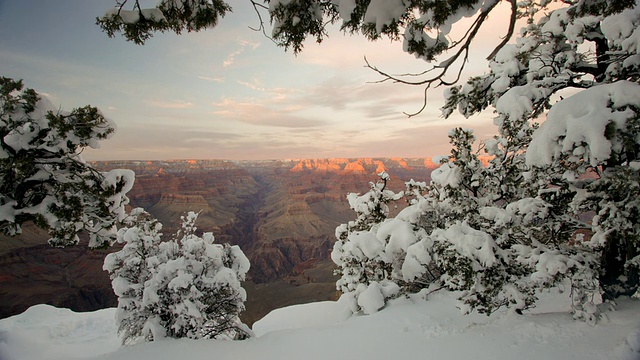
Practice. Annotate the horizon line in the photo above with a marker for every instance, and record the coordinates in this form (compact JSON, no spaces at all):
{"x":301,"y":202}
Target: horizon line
{"x":259,"y":160}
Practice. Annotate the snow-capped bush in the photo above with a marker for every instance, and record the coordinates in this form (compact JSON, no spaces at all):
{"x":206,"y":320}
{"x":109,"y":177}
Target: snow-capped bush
{"x":185,"y":287}
{"x":556,"y":201}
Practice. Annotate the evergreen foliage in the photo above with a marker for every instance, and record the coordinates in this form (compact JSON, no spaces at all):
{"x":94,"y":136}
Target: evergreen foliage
{"x":186,"y":287}
{"x":138,"y":24}
{"x":44,"y":179}
{"x":502,"y":232}
{"x":357,"y":253}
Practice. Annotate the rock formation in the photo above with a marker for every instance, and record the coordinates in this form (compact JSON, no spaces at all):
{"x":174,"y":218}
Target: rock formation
{"x":282,"y":213}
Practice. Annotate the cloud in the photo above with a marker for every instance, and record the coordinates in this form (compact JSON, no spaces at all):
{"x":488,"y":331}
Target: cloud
{"x":230,"y":59}
{"x":421,"y":140}
{"x":258,"y":112}
{"x":253,"y":85}
{"x":369,"y":101}
{"x":244,"y":44}
{"x":139,"y":142}
{"x":212,"y":79}
{"x":150,"y":142}
{"x":177,"y":104}
{"x":249,"y":44}
{"x":328,"y":104}
{"x":208,"y":136}
{"x":341,"y":51}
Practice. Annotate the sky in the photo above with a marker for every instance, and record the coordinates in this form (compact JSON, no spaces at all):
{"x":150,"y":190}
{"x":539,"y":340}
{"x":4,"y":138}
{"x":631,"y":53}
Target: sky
{"x":229,"y":92}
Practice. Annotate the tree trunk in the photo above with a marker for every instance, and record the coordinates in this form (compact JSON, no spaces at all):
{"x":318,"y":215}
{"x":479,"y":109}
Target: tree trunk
{"x":616,"y":279}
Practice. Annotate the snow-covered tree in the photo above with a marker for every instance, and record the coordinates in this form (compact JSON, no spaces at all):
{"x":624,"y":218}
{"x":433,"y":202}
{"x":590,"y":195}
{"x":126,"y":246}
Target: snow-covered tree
{"x":138,"y":24}
{"x":185,"y":287}
{"x":520,"y":215}
{"x":359,"y":253}
{"x":44,"y":179}
{"x":131,"y":267}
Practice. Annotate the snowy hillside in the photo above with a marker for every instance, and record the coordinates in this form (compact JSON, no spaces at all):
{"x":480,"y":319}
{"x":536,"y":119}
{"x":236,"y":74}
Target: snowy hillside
{"x":411,"y":329}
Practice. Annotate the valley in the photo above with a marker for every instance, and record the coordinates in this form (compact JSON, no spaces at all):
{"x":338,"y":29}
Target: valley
{"x":283,"y":215}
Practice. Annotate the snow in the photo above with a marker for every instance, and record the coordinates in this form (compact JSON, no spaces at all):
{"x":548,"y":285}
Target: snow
{"x":371,"y":299}
{"x":45,"y":332}
{"x":241,"y":263}
{"x":384,"y":12}
{"x":517,"y":102}
{"x":364,"y":243}
{"x":505,"y":66}
{"x":579,"y":122}
{"x":622,"y":29}
{"x":415,"y":260}
{"x":549,"y":264}
{"x":318,"y":315}
{"x":524,"y":210}
{"x":407,"y":328}
{"x":473,"y":244}
{"x":447,"y":174}
{"x":400,"y":235}
{"x":345,"y":8}
{"x":130,"y":17}
{"x":133,"y":16}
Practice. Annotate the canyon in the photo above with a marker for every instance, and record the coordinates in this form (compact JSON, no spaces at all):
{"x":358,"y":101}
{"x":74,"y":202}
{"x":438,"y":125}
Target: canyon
{"x":282,"y":213}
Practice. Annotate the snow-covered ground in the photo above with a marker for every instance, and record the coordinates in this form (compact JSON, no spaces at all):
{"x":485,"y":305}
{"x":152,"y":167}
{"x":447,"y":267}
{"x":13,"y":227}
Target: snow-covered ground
{"x":408,"y":329}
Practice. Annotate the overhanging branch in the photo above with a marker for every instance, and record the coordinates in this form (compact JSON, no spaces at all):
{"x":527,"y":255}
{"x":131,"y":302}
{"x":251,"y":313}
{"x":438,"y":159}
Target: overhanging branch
{"x":461,"y":56}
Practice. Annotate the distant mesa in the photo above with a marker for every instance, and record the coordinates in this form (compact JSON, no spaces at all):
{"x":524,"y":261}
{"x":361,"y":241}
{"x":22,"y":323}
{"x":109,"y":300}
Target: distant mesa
{"x":332,"y":165}
{"x":403,"y":163}
{"x":355,"y":166}
{"x":430,"y":164}
{"x":362,"y":165}
{"x":484,"y":159}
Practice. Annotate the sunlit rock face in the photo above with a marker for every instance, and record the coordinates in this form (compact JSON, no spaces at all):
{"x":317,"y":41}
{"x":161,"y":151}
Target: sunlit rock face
{"x":282,"y":213}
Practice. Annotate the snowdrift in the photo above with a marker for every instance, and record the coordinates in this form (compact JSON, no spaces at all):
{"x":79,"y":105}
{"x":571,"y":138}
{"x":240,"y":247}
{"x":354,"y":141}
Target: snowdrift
{"x":407,"y":328}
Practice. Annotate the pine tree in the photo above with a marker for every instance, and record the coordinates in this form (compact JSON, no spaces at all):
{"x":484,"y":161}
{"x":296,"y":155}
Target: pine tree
{"x":358,"y":252}
{"x":185,"y":287}
{"x":130,"y":268}
{"x":43,"y":178}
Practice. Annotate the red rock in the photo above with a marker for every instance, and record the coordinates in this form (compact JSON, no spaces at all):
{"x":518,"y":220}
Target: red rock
{"x":282,"y":213}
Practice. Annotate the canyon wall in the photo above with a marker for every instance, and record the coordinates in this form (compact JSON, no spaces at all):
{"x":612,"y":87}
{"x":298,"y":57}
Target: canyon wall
{"x":282,"y":213}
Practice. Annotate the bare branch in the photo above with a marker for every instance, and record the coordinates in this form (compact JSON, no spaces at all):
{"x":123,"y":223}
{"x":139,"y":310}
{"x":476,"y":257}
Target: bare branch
{"x":260,"y":28}
{"x":512,"y":26}
{"x":424,"y":104}
{"x":442,"y":70}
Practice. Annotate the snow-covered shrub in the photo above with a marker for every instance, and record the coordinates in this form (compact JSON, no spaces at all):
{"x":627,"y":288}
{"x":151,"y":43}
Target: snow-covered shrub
{"x":504,"y":233}
{"x":360,"y":252}
{"x":453,"y":244}
{"x":43,"y":177}
{"x":185,"y":287}
{"x":488,"y":231}
{"x":130,"y":268}
{"x":545,"y":183}
{"x":540,"y":187}
{"x":594,"y":153}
